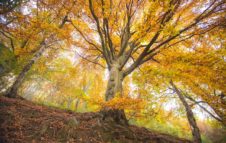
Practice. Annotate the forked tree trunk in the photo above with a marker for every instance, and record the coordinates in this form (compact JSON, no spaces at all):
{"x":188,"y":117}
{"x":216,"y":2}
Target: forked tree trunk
{"x":190,"y":116}
{"x":12,"y":93}
{"x":114,"y":88}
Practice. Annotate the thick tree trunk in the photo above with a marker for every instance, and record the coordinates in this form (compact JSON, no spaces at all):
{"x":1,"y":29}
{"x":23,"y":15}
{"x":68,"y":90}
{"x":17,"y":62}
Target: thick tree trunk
{"x":12,"y":93}
{"x":114,"y":115}
{"x":191,"y":119}
{"x":114,"y":82}
{"x":114,"y":88}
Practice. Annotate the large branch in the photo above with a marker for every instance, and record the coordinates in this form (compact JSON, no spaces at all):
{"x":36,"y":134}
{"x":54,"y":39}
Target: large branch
{"x":126,"y":34}
{"x":127,"y":55}
{"x":86,"y":39}
{"x":91,"y":61}
{"x":166,"y":18}
{"x":107,"y":37}
{"x":105,"y":52}
{"x":186,"y":37}
{"x":198,"y":103}
{"x":150,"y":53}
{"x":110,"y":43}
{"x":198,"y":19}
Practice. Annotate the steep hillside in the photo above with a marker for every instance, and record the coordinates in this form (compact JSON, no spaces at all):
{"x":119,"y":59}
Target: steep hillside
{"x":22,"y":121}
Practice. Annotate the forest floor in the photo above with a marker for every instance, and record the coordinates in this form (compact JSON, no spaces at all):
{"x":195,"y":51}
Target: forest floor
{"x":22,"y":121}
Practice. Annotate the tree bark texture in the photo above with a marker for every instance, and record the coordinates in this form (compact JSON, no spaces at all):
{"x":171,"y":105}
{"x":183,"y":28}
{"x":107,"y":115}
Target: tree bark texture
{"x":114,"y":88}
{"x":12,"y":93}
{"x":190,"y":116}
{"x":114,"y":82}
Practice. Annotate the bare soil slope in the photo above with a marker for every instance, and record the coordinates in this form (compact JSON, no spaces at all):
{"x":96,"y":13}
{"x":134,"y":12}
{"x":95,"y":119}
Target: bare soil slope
{"x":22,"y":121}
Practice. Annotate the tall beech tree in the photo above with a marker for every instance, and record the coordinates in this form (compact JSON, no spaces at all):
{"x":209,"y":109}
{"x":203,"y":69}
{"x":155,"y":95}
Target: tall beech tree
{"x":123,"y":35}
{"x":127,"y":34}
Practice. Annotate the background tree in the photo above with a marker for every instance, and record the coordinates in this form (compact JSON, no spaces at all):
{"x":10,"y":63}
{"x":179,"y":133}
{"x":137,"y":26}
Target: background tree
{"x":38,"y":29}
{"x":188,"y":67}
{"x":191,"y":119}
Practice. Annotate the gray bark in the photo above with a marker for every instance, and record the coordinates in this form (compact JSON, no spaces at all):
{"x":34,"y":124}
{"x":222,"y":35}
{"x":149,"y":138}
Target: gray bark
{"x":114,"y":87}
{"x":190,"y":116}
{"x":12,"y":93}
{"x":211,"y":114}
{"x":114,"y":82}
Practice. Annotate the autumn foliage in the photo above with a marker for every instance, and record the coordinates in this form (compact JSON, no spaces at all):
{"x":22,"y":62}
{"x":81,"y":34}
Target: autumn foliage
{"x":134,"y":56}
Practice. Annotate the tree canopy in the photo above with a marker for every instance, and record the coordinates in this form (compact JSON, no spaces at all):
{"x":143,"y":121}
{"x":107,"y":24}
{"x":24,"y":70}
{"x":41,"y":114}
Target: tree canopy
{"x":121,"y":57}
